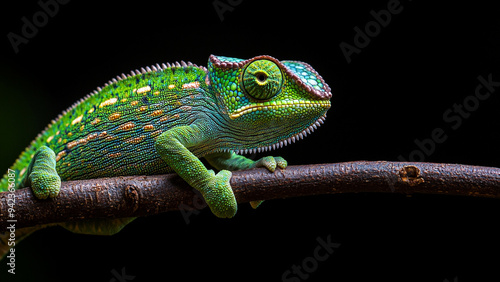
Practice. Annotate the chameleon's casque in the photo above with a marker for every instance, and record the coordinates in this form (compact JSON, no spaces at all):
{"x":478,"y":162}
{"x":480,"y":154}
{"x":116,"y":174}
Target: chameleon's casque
{"x":164,"y":118}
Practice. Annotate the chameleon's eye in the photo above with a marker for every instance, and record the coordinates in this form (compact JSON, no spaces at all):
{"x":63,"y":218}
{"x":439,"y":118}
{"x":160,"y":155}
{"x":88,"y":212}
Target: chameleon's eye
{"x":262,"y":79}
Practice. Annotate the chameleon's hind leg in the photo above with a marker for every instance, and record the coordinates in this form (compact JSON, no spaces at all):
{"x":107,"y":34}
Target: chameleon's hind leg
{"x":232,"y":161}
{"x":97,"y":226}
{"x":41,"y":174}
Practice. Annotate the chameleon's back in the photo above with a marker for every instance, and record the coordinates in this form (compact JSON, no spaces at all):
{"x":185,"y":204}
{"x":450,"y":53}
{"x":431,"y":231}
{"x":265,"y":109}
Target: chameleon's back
{"x":99,"y":134}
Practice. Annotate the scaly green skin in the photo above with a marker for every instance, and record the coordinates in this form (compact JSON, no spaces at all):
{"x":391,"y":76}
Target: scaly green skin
{"x":165,"y":118}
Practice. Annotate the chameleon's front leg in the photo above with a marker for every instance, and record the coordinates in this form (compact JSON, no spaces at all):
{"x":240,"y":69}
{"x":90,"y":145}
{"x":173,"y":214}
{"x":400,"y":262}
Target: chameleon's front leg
{"x":173,"y":147}
{"x":232,"y":161}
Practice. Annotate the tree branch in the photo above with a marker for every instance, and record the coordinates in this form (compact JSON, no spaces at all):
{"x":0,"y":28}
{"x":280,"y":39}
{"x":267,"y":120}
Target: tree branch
{"x":147,"y":195}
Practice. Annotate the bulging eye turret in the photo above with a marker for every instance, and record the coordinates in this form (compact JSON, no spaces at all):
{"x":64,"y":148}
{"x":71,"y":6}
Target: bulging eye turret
{"x":262,"y":79}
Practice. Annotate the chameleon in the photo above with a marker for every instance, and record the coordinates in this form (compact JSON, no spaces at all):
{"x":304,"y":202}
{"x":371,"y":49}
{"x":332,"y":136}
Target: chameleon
{"x":164,"y":118}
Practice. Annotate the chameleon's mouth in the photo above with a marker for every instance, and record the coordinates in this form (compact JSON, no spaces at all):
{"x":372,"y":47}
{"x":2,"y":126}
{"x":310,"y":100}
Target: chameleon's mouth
{"x":284,"y":142}
{"x":273,"y":105}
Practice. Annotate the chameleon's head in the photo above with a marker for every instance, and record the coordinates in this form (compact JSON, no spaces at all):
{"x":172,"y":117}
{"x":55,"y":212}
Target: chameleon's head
{"x":273,"y":102}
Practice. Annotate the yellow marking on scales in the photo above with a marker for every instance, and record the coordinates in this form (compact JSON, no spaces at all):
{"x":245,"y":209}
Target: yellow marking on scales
{"x":50,"y":138}
{"x":171,"y":86}
{"x":134,"y":103}
{"x":77,"y":120}
{"x":108,"y":102}
{"x":191,"y":85}
{"x":144,"y":89}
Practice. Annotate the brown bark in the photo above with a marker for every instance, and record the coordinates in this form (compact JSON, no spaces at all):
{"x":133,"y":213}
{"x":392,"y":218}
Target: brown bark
{"x":146,"y":195}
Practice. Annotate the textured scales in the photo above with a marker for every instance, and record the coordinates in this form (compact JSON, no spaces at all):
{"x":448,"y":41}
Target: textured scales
{"x":111,"y":132}
{"x":164,"y":118}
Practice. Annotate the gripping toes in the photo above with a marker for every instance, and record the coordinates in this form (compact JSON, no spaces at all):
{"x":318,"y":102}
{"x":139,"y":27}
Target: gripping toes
{"x":219,"y":195}
{"x":271,"y":163}
{"x":45,"y":185}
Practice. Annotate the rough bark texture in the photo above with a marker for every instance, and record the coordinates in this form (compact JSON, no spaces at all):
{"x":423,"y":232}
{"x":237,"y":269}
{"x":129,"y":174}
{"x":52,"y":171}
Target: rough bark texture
{"x":147,"y":195}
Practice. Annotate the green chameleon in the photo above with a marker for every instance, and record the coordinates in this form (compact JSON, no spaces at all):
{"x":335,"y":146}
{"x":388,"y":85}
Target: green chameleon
{"x":164,"y":118}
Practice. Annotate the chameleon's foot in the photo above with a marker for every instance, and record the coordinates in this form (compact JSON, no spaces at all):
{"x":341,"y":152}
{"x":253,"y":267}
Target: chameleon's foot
{"x":219,"y":195}
{"x":270,"y":163}
{"x":45,"y":185}
{"x":42,"y":176}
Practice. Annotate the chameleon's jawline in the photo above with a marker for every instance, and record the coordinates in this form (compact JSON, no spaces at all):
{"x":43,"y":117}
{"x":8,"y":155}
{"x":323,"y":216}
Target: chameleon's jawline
{"x":281,"y":143}
{"x":266,"y":106}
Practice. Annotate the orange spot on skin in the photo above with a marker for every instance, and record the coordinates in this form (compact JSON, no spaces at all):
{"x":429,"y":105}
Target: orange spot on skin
{"x":75,"y":143}
{"x":134,"y":103}
{"x":115,"y":155}
{"x":143,"y":108}
{"x":156,"y":113}
{"x":156,"y":133}
{"x":71,"y":144}
{"x":126,"y":126}
{"x":95,"y":121}
{"x":135,"y":140}
{"x":114,"y":116}
{"x":148,"y":127}
{"x":171,"y":86}
{"x":91,"y":136}
{"x":60,"y":155}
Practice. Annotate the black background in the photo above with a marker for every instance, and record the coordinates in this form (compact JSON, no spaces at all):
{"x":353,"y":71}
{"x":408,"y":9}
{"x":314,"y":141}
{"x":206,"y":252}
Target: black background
{"x":395,"y":91}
